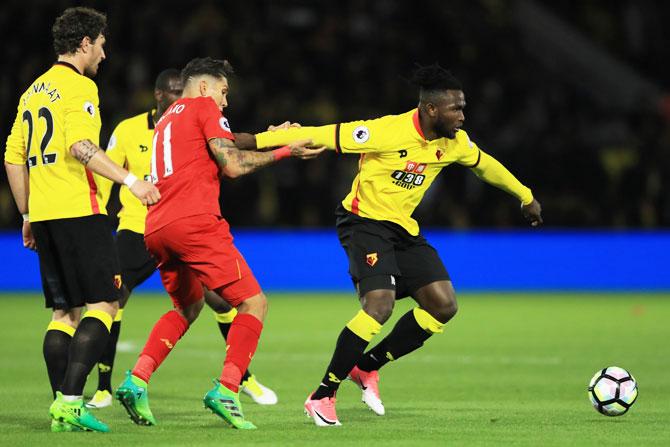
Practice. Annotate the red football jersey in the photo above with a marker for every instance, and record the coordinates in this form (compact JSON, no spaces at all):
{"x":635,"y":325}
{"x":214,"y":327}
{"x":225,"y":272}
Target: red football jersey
{"x":182,"y":167}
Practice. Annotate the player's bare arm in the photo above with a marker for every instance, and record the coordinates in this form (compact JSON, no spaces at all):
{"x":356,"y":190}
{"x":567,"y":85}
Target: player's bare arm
{"x":19,"y":183}
{"x":245,"y":141}
{"x":95,"y":159}
{"x":234,"y":162}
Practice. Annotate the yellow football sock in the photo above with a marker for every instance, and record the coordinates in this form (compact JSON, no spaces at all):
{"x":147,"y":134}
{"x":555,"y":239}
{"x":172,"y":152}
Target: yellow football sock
{"x":364,"y":325}
{"x":427,"y":322}
{"x":101,"y":315}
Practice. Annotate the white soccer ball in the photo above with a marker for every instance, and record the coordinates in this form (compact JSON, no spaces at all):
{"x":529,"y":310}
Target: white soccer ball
{"x":612,"y":391}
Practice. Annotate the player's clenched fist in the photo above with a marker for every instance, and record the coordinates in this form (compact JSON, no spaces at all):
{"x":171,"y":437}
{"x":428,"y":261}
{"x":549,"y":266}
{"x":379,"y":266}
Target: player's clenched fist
{"x":146,"y":192}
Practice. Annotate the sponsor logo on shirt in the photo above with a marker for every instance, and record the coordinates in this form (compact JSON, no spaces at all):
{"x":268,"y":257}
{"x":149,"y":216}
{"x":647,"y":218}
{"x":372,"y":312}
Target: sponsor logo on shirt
{"x":411,"y":176}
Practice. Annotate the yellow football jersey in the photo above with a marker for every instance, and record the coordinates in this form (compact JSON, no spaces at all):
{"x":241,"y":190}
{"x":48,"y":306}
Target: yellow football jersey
{"x":59,"y":109}
{"x":397,"y":164}
{"x":130,"y":146}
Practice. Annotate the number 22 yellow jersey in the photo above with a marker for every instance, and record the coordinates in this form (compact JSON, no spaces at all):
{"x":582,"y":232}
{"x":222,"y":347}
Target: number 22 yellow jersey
{"x":59,"y":109}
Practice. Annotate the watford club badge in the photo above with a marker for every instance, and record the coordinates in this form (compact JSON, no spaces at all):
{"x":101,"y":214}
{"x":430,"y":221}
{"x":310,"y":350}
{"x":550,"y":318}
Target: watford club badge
{"x":117,"y":281}
{"x":371,"y":259}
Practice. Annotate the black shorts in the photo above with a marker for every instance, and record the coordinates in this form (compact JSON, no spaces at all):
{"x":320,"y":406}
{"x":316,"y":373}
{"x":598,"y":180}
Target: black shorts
{"x":136,"y":263}
{"x":78,"y":262}
{"x":379,"y":248}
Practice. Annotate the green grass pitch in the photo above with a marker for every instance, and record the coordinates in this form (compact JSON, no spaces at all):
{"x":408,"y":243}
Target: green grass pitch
{"x":510,"y":369}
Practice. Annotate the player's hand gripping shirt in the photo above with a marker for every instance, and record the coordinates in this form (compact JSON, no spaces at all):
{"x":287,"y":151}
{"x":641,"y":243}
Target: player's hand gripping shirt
{"x":130,"y":146}
{"x":59,"y":109}
{"x":182,"y":167}
{"x":397,"y":164}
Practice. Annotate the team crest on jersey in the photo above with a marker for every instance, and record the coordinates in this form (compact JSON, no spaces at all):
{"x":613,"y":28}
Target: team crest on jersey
{"x":438,"y":154}
{"x":117,"y":281}
{"x":361,"y":134}
{"x":224,"y":124}
{"x":89,"y":108}
{"x":371,"y":259}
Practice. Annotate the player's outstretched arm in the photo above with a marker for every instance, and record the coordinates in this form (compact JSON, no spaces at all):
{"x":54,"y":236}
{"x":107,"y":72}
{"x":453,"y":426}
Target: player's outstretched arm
{"x":493,"y":172}
{"x":280,"y":135}
{"x":234,"y":162}
{"x":95,"y":159}
{"x":247,"y":141}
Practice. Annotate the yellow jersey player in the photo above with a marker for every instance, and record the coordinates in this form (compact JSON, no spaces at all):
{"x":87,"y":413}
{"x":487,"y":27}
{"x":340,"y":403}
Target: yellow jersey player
{"x":400,"y":156}
{"x":131,"y":146}
{"x":55,"y":138}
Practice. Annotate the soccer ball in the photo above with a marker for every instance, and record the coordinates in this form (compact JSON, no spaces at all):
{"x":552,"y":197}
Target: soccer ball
{"x":612,"y":391}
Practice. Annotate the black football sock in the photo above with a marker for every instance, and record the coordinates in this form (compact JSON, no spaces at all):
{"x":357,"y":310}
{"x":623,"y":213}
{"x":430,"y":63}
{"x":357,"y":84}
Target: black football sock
{"x":224,"y":328}
{"x":106,"y":362}
{"x":348,"y":350}
{"x":351,"y":344}
{"x":407,"y":335}
{"x":55,"y":349}
{"x":88,"y":342}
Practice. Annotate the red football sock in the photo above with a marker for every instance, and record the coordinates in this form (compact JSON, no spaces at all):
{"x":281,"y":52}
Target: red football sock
{"x":164,"y":336}
{"x":242,"y":342}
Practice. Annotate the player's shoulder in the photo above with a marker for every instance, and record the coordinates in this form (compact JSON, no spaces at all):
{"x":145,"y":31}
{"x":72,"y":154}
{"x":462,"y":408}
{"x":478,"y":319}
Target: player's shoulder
{"x":205,"y":102}
{"x":393,"y":129}
{"x":76,"y":83}
{"x":139,"y":121}
{"x":393,"y":119}
{"x":463,"y":139}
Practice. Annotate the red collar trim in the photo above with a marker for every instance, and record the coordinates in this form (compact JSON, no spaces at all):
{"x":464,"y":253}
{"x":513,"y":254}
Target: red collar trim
{"x":417,"y":124}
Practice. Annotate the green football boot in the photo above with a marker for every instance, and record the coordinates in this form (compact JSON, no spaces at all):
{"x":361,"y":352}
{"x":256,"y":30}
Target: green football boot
{"x":226,"y":404}
{"x":133,"y":395}
{"x":60,"y":427}
{"x":73,"y":416}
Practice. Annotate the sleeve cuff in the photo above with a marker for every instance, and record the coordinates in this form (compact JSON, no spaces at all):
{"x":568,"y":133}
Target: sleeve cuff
{"x":527,"y":197}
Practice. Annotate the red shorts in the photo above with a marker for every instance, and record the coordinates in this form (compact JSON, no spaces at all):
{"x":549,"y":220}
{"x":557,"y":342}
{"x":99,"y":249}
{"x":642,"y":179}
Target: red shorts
{"x":199,"y":250}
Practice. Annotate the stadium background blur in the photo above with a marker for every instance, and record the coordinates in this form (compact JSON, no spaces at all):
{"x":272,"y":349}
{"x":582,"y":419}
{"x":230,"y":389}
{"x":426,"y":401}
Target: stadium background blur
{"x":569,"y":95}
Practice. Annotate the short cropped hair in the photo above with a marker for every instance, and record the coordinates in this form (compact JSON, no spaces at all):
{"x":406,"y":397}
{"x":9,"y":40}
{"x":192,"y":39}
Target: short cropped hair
{"x":163,"y":78}
{"x":206,"y":66}
{"x":75,"y":24}
{"x":432,"y":80}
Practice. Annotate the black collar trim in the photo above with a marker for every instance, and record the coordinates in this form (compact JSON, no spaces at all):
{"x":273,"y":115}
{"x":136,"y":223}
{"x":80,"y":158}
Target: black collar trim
{"x":150,"y":119}
{"x":67,"y":64}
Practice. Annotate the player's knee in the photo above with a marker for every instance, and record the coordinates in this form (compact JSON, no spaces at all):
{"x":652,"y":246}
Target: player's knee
{"x":379,"y":304}
{"x":110,"y":308}
{"x":445,"y":310}
{"x":192,"y":311}
{"x":439,"y":300}
{"x":256,"y":305}
{"x":70,"y":318}
{"x":216,"y":302}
